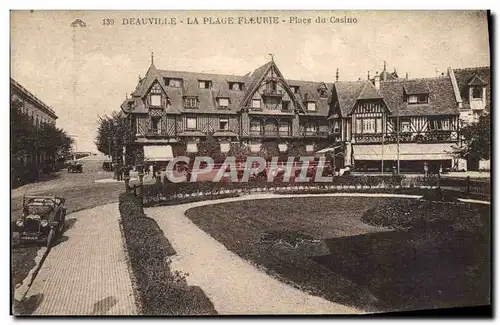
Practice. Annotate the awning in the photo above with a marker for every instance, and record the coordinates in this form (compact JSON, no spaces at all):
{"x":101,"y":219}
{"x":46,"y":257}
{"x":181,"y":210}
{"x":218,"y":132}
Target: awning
{"x":225,"y":134}
{"x":329,"y":149}
{"x":407,"y":151}
{"x":158,"y":153}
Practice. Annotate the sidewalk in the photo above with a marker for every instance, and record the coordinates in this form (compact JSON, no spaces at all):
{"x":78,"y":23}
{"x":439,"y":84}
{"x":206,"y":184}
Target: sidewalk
{"x":232,"y":284}
{"x":86,"y":273}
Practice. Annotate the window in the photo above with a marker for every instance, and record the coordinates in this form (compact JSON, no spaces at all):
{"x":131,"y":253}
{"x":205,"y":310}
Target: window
{"x":477,"y":92}
{"x":177,"y":83}
{"x":369,"y":125}
{"x":191,"y":123}
{"x":223,"y":102}
{"x":191,"y":102}
{"x":156,"y":125}
{"x":271,"y":86}
{"x":285,"y":105}
{"x":311,"y":129}
{"x":311,"y":106}
{"x":235,"y":86}
{"x":205,"y":84}
{"x":439,"y":124}
{"x":295,"y":89}
{"x":284,"y":128}
{"x":405,"y":126}
{"x":137,"y":126}
{"x":224,"y":124}
{"x":418,"y":99}
{"x":310,"y":147}
{"x":255,"y":126}
{"x":323,"y":92}
{"x":256,"y":103}
{"x":156,"y":100}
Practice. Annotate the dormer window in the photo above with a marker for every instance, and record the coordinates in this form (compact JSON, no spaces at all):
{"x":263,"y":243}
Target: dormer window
{"x":311,"y":106}
{"x":173,"y":82}
{"x":191,"y":102}
{"x":477,"y":92}
{"x":236,"y":85}
{"x":295,"y":89}
{"x":323,"y":92}
{"x":223,"y":102}
{"x":418,"y":99}
{"x":255,"y":103}
{"x":205,"y":84}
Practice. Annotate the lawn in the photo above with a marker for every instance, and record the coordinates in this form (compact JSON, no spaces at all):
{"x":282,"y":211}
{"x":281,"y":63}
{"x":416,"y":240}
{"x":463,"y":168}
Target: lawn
{"x":345,"y":251}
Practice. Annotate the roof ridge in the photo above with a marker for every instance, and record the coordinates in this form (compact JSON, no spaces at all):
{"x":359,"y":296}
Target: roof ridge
{"x":474,"y":68}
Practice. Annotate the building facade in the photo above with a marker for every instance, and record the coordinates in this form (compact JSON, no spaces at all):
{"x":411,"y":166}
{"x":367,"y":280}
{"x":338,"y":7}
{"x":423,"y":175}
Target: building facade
{"x":375,"y":123}
{"x":39,"y":113}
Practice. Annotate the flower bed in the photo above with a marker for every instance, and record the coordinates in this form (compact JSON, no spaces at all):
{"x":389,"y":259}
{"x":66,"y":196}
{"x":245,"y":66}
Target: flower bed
{"x":160,"y":291}
{"x":177,"y":193}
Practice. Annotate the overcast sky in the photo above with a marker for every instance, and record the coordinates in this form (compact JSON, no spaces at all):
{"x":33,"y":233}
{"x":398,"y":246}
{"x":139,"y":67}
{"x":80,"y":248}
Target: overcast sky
{"x":85,"y":72}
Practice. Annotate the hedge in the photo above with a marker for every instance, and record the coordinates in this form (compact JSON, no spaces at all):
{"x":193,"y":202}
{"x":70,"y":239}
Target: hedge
{"x":160,"y":291}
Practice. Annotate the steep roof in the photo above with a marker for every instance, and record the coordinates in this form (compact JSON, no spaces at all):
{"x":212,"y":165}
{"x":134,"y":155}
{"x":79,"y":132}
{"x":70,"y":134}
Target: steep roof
{"x":308,"y":91}
{"x":220,"y":89}
{"x":415,"y":87}
{"x":348,"y":92}
{"x":465,"y":76}
{"x":442,"y":99}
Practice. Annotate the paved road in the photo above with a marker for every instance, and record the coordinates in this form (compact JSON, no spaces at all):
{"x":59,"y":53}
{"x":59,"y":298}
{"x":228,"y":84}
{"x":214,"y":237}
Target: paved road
{"x":87,"y":273}
{"x":81,"y":192}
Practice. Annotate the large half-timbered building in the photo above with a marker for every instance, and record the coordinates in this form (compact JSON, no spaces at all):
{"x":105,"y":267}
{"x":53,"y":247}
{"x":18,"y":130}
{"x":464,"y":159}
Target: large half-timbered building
{"x":374,"y":123}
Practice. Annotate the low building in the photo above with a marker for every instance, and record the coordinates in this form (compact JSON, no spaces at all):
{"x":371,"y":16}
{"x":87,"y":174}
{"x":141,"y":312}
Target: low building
{"x":39,"y":113}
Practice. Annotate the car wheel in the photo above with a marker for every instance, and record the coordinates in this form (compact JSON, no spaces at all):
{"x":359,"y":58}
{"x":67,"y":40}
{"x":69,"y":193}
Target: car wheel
{"x":51,"y":237}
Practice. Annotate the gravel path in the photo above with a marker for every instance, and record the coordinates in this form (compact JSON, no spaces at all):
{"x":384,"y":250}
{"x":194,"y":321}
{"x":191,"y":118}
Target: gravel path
{"x":86,"y":273}
{"x":233,"y":285}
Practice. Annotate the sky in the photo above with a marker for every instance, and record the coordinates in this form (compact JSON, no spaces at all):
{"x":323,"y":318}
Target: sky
{"x":86,"y":72}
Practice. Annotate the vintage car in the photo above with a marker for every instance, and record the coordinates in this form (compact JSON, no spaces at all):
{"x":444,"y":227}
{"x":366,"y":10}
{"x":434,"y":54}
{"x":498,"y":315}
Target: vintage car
{"x":42,"y":219}
{"x":75,"y":167}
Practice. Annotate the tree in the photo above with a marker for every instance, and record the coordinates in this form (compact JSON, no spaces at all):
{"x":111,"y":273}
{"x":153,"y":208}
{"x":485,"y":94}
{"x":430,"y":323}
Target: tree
{"x":476,"y":139}
{"x":113,"y":133}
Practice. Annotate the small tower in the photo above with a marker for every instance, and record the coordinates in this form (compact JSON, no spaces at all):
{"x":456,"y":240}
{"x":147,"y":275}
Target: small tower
{"x":337,"y":75}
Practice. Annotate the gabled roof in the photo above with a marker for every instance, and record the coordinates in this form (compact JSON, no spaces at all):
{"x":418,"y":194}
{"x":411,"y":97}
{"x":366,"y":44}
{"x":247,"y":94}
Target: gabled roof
{"x":464,"y":76}
{"x":348,"y":92}
{"x":220,"y":88}
{"x":369,"y":92}
{"x":442,"y":99}
{"x":476,"y":81}
{"x":415,"y":87}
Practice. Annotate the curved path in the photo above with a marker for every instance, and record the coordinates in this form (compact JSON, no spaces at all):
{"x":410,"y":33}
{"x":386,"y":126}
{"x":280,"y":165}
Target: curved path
{"x":234,"y":285}
{"x":87,"y":273}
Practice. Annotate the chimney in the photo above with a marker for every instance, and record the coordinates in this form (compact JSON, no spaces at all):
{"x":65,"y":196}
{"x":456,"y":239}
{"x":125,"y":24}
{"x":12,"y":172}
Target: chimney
{"x":407,"y":76}
{"x":385,"y":65}
{"x":337,"y":75}
{"x":377,"y":81}
{"x":368,"y":75}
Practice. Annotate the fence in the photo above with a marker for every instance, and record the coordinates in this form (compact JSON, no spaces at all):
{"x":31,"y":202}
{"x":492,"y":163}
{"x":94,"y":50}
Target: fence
{"x":159,"y":193}
{"x":467,"y":186}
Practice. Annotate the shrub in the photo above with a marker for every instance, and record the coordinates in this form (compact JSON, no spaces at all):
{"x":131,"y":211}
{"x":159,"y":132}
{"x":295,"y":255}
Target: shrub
{"x":160,"y":291}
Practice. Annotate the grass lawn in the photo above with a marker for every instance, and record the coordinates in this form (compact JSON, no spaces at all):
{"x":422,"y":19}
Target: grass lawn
{"x":326,"y":245}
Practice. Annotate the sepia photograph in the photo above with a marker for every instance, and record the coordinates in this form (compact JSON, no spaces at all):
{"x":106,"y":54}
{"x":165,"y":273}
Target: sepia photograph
{"x":252,"y":162}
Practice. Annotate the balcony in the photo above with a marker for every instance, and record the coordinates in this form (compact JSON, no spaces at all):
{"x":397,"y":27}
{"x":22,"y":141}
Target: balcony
{"x":156,"y":132}
{"x":270,"y":133}
{"x":315,"y":134}
{"x":273,"y":92}
{"x":433,"y":136}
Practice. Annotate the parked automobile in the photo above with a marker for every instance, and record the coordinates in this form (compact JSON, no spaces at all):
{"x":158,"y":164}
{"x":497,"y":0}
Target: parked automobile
{"x":75,"y":167}
{"x":42,"y":219}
